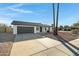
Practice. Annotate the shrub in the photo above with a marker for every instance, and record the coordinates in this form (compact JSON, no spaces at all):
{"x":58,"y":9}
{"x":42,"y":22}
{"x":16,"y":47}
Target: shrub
{"x":48,"y":31}
{"x":75,"y":31}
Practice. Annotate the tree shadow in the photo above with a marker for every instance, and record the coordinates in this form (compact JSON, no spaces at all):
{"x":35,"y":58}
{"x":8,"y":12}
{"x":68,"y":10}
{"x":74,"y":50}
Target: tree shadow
{"x":68,"y":45}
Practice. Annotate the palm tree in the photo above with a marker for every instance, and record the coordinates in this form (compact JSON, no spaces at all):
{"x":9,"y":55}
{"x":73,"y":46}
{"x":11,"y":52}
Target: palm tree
{"x":57,"y":18}
{"x":55,"y":27}
{"x":54,"y":18}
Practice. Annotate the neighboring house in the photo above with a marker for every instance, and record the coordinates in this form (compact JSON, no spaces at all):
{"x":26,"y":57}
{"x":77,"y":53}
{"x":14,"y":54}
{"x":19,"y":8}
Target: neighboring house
{"x":20,"y":27}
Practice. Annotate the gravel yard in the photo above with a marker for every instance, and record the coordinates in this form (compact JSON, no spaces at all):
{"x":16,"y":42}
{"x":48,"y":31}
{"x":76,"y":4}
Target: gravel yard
{"x":6,"y":42}
{"x":66,"y":35}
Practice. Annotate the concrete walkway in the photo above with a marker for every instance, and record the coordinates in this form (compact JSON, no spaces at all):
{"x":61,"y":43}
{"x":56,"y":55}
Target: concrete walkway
{"x":43,"y":46}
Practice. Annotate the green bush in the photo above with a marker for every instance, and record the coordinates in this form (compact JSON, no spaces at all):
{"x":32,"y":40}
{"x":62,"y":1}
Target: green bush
{"x":75,"y":31}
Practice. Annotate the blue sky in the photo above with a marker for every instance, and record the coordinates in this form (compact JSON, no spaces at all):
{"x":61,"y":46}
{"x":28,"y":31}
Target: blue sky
{"x":40,"y":13}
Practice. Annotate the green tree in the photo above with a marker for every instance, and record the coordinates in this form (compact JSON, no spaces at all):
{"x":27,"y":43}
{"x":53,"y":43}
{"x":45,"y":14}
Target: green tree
{"x":75,"y":28}
{"x":76,"y":24}
{"x":61,"y":27}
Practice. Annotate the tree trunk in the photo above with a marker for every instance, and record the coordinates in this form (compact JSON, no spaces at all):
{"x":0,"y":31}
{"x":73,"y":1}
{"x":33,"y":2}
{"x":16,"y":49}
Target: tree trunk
{"x":55,"y":28}
{"x":53,"y":18}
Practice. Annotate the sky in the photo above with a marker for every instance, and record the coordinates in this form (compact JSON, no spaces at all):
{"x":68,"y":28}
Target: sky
{"x":38,"y":13}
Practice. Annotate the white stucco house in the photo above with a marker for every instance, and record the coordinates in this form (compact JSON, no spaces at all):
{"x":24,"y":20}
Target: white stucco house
{"x":21,"y":27}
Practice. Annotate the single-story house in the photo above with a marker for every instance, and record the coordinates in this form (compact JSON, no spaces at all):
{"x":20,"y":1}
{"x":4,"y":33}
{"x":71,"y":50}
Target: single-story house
{"x":20,"y":27}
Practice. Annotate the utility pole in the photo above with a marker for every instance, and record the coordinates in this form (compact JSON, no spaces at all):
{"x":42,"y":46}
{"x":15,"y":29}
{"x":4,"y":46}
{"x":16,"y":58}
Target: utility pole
{"x":53,"y":19}
{"x":57,"y":16}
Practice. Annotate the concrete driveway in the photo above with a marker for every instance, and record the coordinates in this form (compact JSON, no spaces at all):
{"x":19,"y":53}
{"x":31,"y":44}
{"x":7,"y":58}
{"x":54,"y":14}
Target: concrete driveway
{"x":38,"y":45}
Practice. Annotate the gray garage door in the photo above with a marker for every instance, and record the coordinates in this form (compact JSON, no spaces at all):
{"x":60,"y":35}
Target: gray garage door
{"x":21,"y":30}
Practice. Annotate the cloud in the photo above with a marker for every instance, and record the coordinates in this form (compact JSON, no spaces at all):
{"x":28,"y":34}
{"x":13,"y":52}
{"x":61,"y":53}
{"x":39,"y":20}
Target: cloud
{"x":16,"y":5}
{"x":8,"y":17}
{"x":20,"y":10}
{"x":13,"y":6}
{"x":6,"y":21}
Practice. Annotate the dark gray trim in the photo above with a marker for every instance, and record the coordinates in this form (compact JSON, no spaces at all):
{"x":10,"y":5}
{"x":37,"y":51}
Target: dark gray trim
{"x":28,"y":23}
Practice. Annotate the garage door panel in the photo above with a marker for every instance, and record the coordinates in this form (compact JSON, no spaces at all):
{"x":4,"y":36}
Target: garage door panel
{"x":21,"y":30}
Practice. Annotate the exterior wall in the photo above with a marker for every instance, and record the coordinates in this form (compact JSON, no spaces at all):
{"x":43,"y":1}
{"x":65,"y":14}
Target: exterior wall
{"x":34,"y":29}
{"x":47,"y":28}
{"x":37,"y":29}
{"x":24,"y":26}
{"x":51,"y":30}
{"x":43,"y":29}
{"x":14,"y":29}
